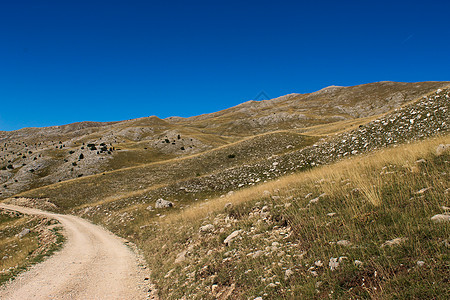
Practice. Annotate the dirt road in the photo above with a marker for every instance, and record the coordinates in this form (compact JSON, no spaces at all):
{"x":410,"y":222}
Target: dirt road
{"x":93,"y":264}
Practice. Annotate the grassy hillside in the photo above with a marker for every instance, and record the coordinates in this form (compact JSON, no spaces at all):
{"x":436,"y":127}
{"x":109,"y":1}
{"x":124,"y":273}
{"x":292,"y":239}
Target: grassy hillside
{"x":360,"y":228}
{"x":328,"y":194}
{"x":21,"y":249}
{"x":36,"y":157}
{"x":244,"y":163}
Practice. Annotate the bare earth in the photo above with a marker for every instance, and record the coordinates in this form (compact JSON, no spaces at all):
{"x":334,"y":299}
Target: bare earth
{"x":93,"y":264}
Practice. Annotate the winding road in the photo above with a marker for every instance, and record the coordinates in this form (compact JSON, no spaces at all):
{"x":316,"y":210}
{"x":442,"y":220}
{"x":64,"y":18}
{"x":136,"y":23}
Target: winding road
{"x":93,"y":264}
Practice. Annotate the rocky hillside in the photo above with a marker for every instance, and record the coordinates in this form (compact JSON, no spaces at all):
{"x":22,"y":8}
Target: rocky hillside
{"x":256,"y":202}
{"x":34,"y":157}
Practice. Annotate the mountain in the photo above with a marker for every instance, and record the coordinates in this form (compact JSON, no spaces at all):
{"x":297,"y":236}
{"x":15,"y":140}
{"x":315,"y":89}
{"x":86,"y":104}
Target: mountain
{"x":339,"y":193}
{"x":34,"y":157}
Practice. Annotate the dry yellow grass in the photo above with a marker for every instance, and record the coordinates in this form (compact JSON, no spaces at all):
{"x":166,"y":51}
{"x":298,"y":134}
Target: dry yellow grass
{"x":359,"y":170}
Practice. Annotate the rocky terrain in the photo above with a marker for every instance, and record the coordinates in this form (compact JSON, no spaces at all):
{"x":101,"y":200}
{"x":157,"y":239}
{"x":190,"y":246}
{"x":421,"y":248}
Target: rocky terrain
{"x":33,"y":157}
{"x":329,"y":194}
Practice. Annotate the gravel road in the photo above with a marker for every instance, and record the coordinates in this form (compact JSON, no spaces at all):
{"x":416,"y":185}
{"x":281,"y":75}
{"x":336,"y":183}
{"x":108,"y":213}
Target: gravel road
{"x":93,"y":264}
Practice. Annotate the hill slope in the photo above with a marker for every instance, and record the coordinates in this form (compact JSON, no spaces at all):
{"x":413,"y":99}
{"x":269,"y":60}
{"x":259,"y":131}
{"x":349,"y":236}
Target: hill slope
{"x":315,"y":206}
{"x":34,"y":157}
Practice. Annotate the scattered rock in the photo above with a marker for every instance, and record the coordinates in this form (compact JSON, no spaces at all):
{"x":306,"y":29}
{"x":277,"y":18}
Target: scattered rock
{"x":24,"y":233}
{"x":441,"y":149}
{"x":313,"y":201}
{"x":393,"y":242}
{"x":206,"y":228}
{"x":228,"y":206}
{"x":420,"y":263}
{"x":358,"y":263}
{"x":440,"y":218}
{"x":161,"y":203}
{"x":231,"y":237}
{"x":422,"y":191}
{"x":150,"y":208}
{"x":331,"y":214}
{"x":333,"y":263}
{"x":257,"y":254}
{"x":288,"y":274}
{"x":344,"y":243}
{"x":181,"y":257}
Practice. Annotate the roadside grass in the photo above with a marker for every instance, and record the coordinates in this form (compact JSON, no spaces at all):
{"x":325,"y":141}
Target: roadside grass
{"x":18,"y":254}
{"x":295,"y":223}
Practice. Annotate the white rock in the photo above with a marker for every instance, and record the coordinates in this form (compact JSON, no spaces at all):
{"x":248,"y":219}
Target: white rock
{"x":24,"y":232}
{"x":440,"y":218}
{"x":313,"y":201}
{"x":342,"y":258}
{"x":420,"y":263}
{"x":288,"y":273}
{"x":231,"y":237}
{"x":422,"y":191}
{"x":358,"y":263}
{"x":441,"y":149}
{"x":181,"y":257}
{"x":161,"y":203}
{"x":207,"y":228}
{"x":318,"y":263}
{"x":333,"y":263}
{"x":331,"y":214}
{"x":421,"y":161}
{"x":257,"y":254}
{"x":345,"y":243}
{"x":394,"y":242}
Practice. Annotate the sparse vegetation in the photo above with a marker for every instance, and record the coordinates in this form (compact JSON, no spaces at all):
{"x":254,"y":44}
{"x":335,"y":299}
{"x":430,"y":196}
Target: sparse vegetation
{"x":19,"y":253}
{"x":300,"y":223}
{"x":335,"y":202}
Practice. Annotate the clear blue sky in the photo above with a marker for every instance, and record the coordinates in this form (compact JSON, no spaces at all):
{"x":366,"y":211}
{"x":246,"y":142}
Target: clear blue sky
{"x":68,"y":61}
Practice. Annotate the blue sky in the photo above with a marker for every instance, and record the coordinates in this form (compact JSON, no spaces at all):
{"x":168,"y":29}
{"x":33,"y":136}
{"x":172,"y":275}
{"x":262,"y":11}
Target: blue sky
{"x":68,"y":61}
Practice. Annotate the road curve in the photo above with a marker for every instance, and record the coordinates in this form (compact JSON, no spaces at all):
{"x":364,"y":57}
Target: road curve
{"x":93,"y":264}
